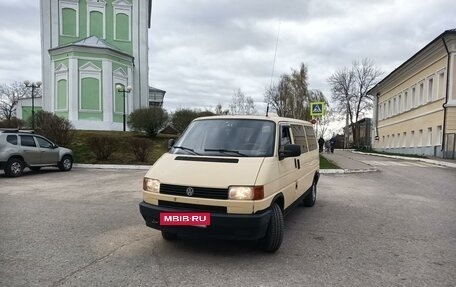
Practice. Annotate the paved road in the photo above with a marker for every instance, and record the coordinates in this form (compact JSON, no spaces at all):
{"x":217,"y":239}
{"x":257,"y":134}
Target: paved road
{"x":395,"y":227}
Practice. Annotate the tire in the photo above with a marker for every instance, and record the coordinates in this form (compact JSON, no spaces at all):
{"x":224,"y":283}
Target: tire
{"x":66,"y":164}
{"x":35,"y":168}
{"x":311,"y":198}
{"x":14,"y":167}
{"x":168,"y":236}
{"x":274,"y":235}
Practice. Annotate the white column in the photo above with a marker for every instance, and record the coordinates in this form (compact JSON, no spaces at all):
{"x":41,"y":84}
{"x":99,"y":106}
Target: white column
{"x":73,"y":88}
{"x":131,"y":95}
{"x":107,"y":92}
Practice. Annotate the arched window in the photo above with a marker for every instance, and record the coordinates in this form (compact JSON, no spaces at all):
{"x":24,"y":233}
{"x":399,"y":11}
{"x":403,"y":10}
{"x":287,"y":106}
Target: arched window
{"x":96,"y":24}
{"x":61,"y":97}
{"x":69,"y":22}
{"x":122,"y":27}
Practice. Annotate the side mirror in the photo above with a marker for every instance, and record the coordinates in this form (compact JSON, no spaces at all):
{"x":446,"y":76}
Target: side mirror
{"x":290,"y":150}
{"x":54,"y":146}
{"x":170,"y":143}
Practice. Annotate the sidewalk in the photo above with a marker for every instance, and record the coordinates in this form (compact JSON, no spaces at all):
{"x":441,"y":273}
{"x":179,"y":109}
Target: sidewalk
{"x":345,"y":159}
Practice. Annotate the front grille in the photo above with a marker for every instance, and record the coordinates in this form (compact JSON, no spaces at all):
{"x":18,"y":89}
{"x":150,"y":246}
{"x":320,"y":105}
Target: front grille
{"x":191,"y":207}
{"x":202,"y":192}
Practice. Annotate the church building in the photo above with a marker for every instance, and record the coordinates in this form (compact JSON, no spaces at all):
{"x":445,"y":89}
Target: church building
{"x":90,"y":49}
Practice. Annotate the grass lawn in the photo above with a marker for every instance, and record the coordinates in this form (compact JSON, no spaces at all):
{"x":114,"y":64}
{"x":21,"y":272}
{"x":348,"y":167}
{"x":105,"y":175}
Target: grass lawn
{"x":326,"y":164}
{"x":123,"y":152}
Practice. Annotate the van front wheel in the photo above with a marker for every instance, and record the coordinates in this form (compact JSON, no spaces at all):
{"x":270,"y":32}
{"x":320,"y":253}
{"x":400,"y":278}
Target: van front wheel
{"x":274,"y":235}
{"x":168,"y":236}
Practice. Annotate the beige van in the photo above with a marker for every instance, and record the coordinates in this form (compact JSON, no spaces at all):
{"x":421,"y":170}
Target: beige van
{"x":233,"y":177}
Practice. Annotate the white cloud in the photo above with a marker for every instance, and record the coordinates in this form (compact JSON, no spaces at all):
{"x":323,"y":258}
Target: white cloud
{"x":200,"y":51}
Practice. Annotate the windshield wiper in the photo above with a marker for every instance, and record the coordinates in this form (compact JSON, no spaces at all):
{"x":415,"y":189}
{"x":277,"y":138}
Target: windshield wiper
{"x":187,"y":149}
{"x":225,"y":151}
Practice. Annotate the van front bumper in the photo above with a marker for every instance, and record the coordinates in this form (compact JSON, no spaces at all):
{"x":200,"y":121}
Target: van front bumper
{"x":223,"y":225}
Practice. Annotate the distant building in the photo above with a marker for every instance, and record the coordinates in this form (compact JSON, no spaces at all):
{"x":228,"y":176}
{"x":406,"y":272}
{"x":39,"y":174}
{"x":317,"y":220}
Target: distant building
{"x":88,"y":48}
{"x":415,"y":106}
{"x":156,"y":97}
{"x":363,"y":130}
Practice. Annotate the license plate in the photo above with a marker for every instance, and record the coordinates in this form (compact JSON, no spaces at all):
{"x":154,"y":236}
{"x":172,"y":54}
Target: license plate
{"x":199,"y":219}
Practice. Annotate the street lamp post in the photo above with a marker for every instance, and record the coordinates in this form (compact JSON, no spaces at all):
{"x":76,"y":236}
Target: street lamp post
{"x":122,"y":90}
{"x":33,"y":85}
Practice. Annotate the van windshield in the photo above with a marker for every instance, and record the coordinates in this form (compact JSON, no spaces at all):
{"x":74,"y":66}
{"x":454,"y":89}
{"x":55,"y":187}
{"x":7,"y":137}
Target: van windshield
{"x":227,"y":137}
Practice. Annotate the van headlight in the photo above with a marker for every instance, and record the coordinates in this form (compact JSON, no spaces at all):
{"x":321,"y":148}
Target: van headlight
{"x":246,"y":192}
{"x":151,"y":185}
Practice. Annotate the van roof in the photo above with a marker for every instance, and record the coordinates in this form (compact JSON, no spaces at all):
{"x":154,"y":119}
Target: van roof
{"x":270,"y":117}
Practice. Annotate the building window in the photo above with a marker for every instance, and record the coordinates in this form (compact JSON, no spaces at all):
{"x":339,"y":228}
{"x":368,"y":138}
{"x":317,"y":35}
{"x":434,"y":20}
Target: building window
{"x":399,"y":104}
{"x":441,"y":85}
{"x":69,"y":18}
{"x":96,"y":19}
{"x":412,"y":139}
{"x":90,"y":88}
{"x":438,"y":134}
{"x":388,"y":141}
{"x":414,"y":102}
{"x":405,"y":101}
{"x":389,"y":107}
{"x":421,"y":94}
{"x":122,"y":20}
{"x":420,"y":138}
{"x":385,"y":112}
{"x":429,"y":137}
{"x":404,"y":137}
{"x":383,"y":141}
{"x":430,"y":89}
{"x":394,"y":106}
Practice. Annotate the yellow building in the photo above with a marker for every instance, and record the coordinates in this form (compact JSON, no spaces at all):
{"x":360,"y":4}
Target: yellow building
{"x":415,"y":105}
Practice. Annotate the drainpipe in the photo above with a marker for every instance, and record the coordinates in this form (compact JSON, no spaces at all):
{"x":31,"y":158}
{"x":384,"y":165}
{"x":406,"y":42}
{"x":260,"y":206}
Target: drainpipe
{"x":446,"y":96}
{"x":376,"y":119}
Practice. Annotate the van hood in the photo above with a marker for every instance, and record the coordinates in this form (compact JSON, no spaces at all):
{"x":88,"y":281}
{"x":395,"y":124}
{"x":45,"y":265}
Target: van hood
{"x":205,"y":171}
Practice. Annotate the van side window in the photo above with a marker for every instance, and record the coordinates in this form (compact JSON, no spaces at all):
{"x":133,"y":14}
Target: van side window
{"x":299,"y":137}
{"x":311,"y":139}
{"x":285,"y":137}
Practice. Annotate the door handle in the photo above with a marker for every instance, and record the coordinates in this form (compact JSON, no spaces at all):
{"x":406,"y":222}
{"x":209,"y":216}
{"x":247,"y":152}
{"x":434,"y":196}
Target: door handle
{"x":299,"y":164}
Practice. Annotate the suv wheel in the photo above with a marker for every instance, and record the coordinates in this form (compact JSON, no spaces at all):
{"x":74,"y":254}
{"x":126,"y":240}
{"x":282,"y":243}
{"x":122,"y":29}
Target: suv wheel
{"x":274,"y":235}
{"x":14,"y":167}
{"x":66,"y":163}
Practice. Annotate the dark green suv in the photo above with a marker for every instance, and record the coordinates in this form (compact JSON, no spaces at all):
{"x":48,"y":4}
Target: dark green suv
{"x":21,"y":149}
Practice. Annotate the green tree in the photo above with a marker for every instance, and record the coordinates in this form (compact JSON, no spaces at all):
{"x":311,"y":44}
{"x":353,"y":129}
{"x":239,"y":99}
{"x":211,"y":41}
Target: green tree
{"x":148,"y":120}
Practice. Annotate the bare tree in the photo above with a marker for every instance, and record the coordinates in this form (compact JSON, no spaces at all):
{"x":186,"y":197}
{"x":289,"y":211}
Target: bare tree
{"x":9,"y":96}
{"x":241,"y":104}
{"x":349,"y":88}
{"x":291,"y":96}
{"x":220,"y":111}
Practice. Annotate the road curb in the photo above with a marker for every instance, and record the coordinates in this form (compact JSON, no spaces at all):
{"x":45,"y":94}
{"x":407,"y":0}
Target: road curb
{"x":112,"y":166}
{"x":347,"y":171}
{"x":431,"y":161}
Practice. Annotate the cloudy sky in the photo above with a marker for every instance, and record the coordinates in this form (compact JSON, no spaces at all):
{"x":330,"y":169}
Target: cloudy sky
{"x":203,"y":50}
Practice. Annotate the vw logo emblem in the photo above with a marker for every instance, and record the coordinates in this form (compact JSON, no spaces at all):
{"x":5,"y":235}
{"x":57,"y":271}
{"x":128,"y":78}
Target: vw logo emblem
{"x":189,"y":191}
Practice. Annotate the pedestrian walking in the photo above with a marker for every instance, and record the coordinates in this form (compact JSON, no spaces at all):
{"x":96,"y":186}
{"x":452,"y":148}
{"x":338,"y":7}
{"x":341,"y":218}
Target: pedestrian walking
{"x":321,"y":144}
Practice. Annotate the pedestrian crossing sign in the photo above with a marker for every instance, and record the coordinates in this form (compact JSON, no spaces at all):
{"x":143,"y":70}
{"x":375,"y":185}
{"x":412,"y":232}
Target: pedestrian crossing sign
{"x":317,"y":108}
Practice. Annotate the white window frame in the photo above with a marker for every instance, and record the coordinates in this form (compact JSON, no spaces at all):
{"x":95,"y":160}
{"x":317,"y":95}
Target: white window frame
{"x":97,"y":6}
{"x":90,"y":70}
{"x":61,"y":73}
{"x":122,"y":7}
{"x":72,"y":4}
{"x":430,"y":88}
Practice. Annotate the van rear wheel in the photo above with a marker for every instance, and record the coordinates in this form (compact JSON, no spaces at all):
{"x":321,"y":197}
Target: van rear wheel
{"x":274,"y":235}
{"x":310,"y":199}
